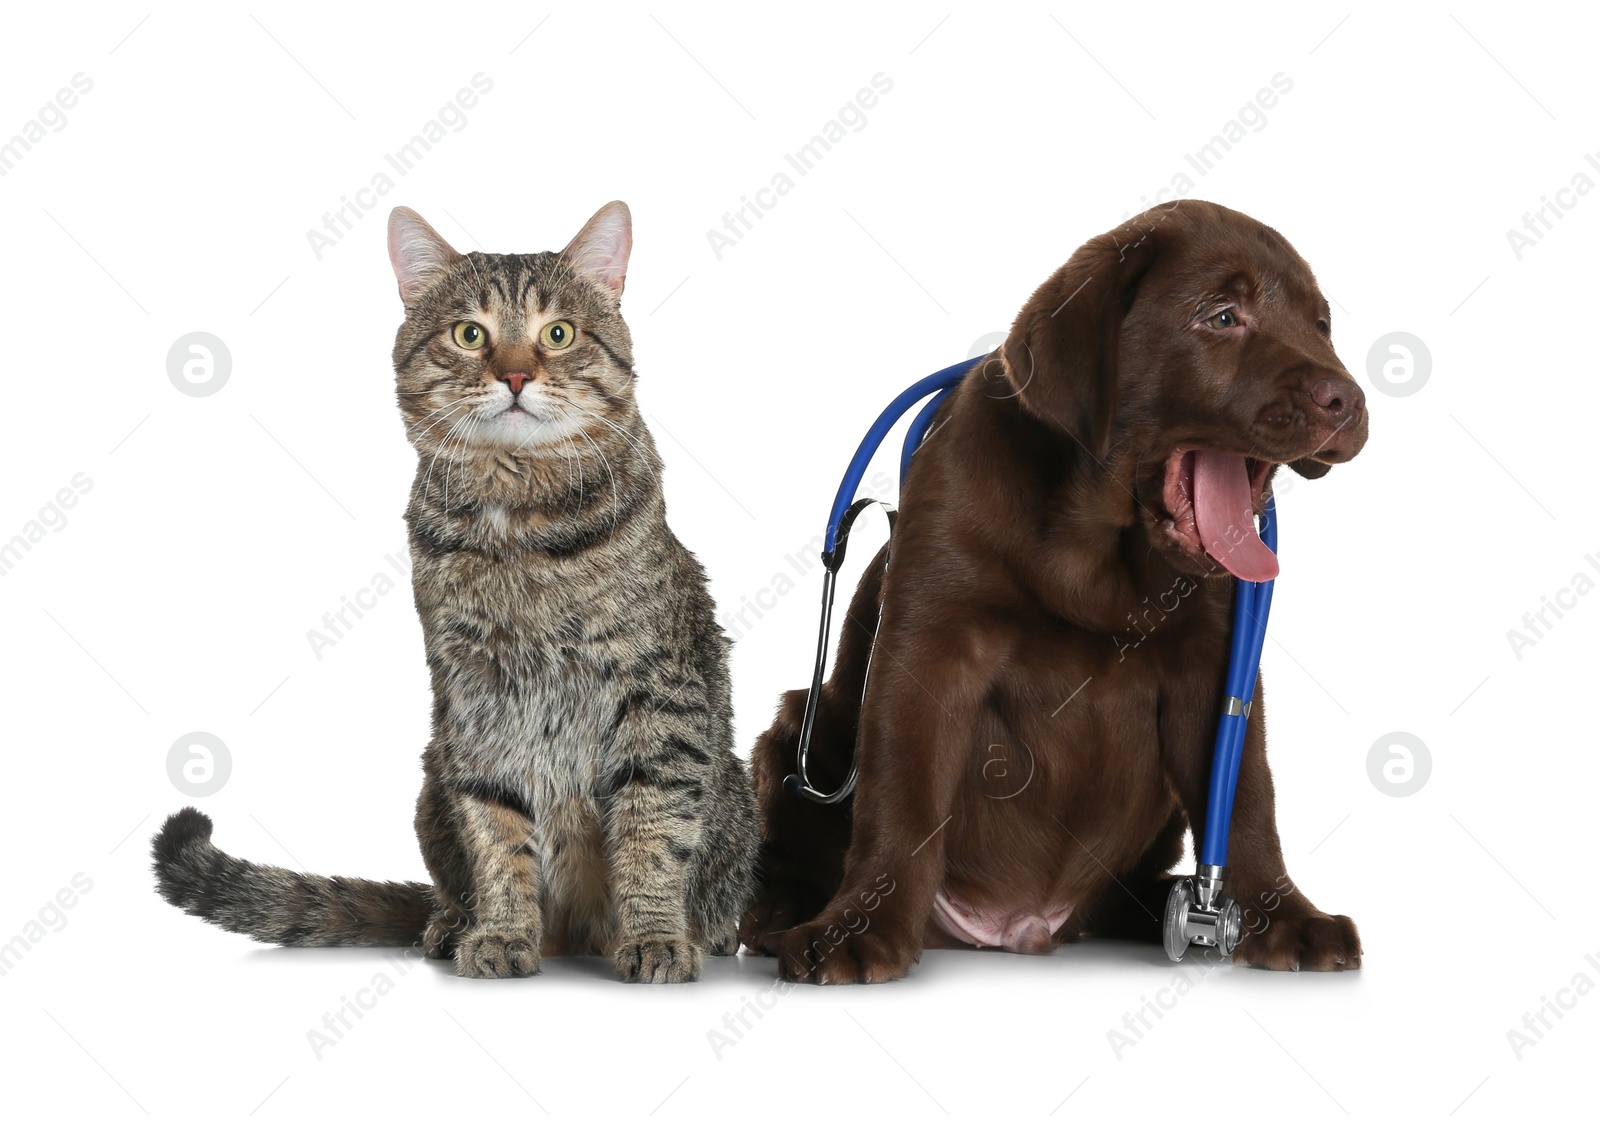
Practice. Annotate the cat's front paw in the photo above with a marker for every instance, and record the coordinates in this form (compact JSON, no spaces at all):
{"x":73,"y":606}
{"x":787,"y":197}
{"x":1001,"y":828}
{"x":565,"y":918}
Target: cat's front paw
{"x":658,"y":961}
{"x":484,"y":951}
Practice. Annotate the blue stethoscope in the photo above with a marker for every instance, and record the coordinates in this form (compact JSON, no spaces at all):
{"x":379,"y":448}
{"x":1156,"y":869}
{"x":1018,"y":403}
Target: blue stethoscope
{"x":1198,"y":911}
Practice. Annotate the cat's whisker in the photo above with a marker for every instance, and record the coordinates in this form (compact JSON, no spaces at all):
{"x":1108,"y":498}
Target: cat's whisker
{"x":449,"y":462}
{"x":460,"y":456}
{"x":627,"y":437}
{"x":568,"y":451}
{"x":416,"y":435}
{"x":610,"y":471}
{"x":576,"y":407}
{"x":438,"y":451}
{"x":439,"y":443}
{"x":615,"y":503}
{"x":567,"y":454}
{"x":577,"y":457}
{"x":444,"y":408}
{"x":466,"y":448}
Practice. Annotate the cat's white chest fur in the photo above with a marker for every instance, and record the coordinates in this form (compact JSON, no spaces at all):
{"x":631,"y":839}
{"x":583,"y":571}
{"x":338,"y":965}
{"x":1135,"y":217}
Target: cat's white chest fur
{"x":556,"y":733}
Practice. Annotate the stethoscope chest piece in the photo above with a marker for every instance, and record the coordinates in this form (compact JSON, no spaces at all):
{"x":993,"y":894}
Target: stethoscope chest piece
{"x":1199,"y":914}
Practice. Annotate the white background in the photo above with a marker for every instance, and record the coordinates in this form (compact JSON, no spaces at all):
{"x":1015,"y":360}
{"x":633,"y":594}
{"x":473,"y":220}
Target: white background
{"x":219,"y":529}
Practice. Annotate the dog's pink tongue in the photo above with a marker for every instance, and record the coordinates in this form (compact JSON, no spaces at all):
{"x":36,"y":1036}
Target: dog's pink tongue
{"x":1225,"y":518}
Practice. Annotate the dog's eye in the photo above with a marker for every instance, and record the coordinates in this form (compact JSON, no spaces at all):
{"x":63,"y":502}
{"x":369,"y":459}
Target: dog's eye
{"x":1225,"y":320}
{"x":1322,"y":327}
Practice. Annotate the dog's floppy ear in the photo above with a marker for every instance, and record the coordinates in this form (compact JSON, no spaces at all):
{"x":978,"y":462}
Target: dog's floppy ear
{"x":1061,"y":355}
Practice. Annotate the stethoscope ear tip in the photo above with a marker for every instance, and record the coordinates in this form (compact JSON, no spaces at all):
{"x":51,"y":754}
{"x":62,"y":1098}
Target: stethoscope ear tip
{"x":794,"y":786}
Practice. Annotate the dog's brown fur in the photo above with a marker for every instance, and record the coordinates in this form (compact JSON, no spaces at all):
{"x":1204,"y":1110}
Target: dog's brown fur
{"x":1047,"y":671}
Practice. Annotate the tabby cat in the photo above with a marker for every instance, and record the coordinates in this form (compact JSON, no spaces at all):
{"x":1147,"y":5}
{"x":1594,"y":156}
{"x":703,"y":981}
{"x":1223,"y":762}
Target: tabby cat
{"x":580,"y":792}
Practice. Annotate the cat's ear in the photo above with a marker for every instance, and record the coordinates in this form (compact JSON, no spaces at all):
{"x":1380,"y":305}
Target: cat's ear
{"x":601,"y":249}
{"x":417,"y":252}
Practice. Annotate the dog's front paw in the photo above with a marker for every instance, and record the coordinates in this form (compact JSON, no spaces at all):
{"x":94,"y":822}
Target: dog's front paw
{"x":826,"y":952}
{"x":658,"y":961}
{"x":1305,"y":940}
{"x":484,"y":951}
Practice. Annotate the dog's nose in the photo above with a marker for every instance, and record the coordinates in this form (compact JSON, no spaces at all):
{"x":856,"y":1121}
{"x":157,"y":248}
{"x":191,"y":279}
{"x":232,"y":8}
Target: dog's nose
{"x":1338,"y":398}
{"x":516,"y":381}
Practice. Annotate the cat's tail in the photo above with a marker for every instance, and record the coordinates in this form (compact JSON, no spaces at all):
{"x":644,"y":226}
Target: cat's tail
{"x":278,"y":906}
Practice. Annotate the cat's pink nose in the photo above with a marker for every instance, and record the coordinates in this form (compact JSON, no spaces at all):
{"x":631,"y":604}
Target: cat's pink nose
{"x":516,"y":381}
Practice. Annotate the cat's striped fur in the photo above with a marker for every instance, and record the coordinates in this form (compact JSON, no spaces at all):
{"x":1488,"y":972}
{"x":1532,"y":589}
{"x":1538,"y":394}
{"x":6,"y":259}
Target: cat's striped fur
{"x":581,"y":794}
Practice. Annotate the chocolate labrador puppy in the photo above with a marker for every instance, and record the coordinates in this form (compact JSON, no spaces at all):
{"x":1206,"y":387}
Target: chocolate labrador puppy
{"x":1047,"y":669}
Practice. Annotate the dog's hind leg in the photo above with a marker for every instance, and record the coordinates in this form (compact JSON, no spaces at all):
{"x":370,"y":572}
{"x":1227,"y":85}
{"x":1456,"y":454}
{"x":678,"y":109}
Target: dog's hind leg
{"x":803,"y":843}
{"x":938,"y":663}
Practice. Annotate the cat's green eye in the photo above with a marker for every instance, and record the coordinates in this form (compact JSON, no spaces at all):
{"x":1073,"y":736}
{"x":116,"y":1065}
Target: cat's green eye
{"x":469,"y":335}
{"x":557,"y":335}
